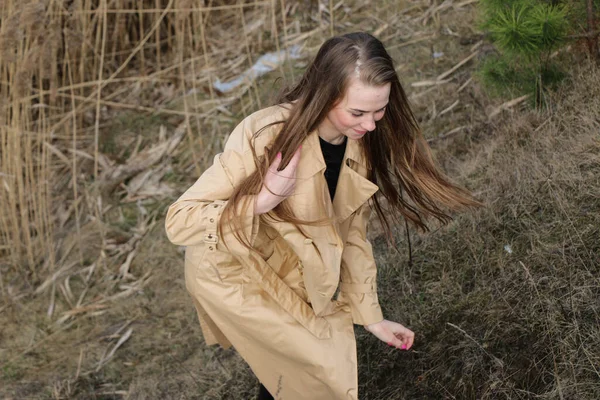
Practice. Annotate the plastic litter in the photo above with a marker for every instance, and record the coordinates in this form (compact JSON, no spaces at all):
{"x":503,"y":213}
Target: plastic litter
{"x":266,"y":63}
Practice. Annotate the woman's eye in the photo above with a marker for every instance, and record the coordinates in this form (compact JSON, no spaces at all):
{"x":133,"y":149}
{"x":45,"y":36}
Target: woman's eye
{"x":361,"y":114}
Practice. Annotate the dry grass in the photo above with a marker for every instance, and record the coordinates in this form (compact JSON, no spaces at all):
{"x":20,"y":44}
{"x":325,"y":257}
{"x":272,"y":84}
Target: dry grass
{"x":67,"y":69}
{"x":95,"y":97}
{"x":506,"y":300}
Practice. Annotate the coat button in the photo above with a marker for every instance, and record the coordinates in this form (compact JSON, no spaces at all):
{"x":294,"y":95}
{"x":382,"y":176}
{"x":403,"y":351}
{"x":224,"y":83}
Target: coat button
{"x":308,"y":241}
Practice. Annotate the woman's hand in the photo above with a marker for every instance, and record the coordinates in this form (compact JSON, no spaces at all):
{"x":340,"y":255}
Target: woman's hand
{"x":392,"y":333}
{"x":277,"y":185}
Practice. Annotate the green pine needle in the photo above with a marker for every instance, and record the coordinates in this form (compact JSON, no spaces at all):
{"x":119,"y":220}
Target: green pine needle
{"x":515,"y":32}
{"x":553,"y":24}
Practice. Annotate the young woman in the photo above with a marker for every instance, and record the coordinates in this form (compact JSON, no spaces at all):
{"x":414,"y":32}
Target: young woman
{"x":277,"y":260}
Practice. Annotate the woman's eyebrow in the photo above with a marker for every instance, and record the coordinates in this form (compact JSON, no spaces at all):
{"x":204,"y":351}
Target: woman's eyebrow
{"x":362,"y":111}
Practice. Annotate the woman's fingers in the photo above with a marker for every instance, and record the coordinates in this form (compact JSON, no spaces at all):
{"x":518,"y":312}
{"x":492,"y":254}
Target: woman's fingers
{"x":410,"y":340}
{"x":275,"y":164}
{"x":293,"y":164}
{"x":392,"y":338}
{"x":283,"y":180}
{"x":407,"y":337}
{"x":396,"y":342}
{"x":404,"y":342}
{"x":392,"y":333}
{"x":290,"y":168}
{"x":277,"y":184}
{"x":403,"y":337}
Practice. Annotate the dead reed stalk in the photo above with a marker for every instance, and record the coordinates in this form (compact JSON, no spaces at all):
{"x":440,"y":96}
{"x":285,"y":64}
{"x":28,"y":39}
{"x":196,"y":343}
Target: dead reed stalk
{"x":67,"y":69}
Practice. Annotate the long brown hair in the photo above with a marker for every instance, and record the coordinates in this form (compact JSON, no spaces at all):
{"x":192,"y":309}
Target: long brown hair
{"x":398,"y":157}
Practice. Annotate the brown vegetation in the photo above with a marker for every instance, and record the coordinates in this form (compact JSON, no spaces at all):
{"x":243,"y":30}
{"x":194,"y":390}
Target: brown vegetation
{"x":107,"y":112}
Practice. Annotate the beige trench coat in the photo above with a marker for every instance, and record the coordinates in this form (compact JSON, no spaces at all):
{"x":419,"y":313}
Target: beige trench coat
{"x":290,"y":315}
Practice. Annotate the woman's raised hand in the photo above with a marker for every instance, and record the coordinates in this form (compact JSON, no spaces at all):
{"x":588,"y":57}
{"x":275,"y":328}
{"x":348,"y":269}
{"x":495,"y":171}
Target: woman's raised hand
{"x":392,"y":333}
{"x":277,"y":185}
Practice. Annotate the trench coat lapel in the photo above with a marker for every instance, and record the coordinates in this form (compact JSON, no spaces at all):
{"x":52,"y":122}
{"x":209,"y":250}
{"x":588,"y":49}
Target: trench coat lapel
{"x":353,"y":188}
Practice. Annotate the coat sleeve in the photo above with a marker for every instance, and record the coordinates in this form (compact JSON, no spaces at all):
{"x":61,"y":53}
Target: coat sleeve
{"x":358,"y":285}
{"x":193,"y":218}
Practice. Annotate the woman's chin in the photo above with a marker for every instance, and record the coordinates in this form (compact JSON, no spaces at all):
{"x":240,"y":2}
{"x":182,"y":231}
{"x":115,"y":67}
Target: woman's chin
{"x":356,"y":135}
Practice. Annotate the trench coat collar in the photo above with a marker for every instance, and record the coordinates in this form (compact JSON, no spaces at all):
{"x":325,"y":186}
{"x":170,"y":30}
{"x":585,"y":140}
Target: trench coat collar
{"x":353,"y":186}
{"x":312,"y":157}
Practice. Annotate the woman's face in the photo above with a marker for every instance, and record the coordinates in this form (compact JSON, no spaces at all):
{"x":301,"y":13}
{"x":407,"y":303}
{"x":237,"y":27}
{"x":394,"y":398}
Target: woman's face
{"x":356,"y":113}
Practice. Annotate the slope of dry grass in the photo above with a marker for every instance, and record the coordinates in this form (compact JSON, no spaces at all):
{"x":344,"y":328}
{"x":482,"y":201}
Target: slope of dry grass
{"x":505,"y":301}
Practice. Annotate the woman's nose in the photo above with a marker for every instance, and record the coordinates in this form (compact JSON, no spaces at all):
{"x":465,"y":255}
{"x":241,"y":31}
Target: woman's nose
{"x":369,"y":124}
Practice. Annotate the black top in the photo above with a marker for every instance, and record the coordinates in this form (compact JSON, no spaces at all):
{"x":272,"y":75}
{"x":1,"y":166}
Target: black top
{"x":334,"y":156}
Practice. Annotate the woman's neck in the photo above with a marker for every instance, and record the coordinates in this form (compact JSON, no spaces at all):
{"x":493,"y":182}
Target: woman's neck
{"x":329,"y":134}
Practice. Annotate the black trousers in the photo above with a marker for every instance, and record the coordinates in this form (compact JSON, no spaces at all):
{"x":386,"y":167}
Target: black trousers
{"x":263,"y":393}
